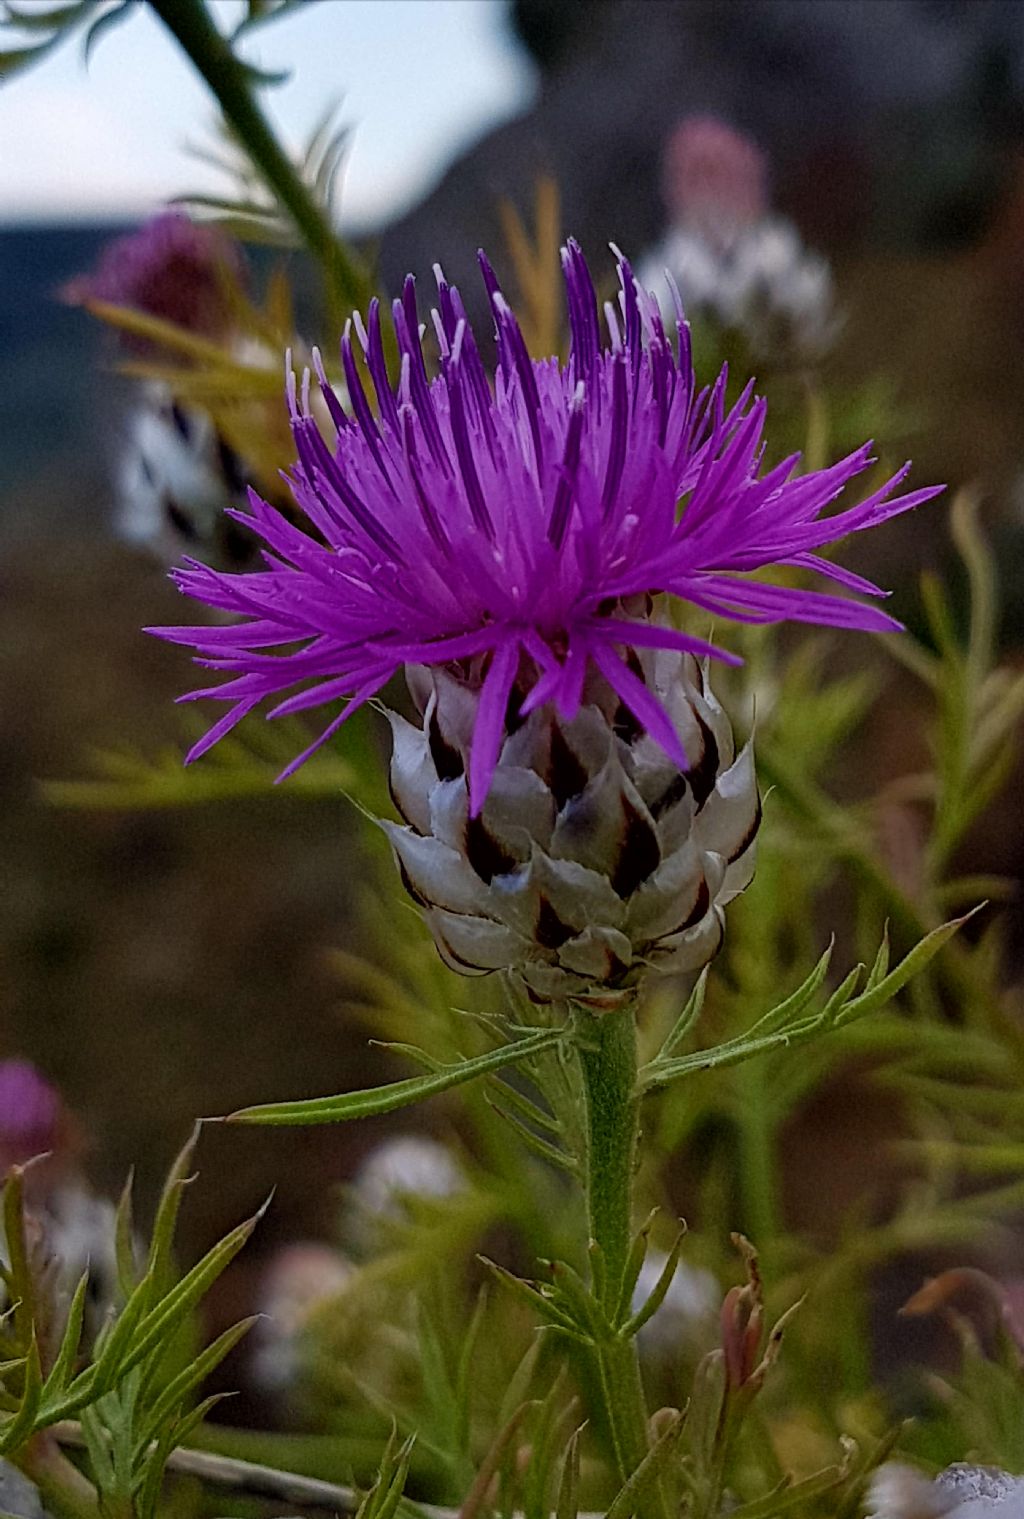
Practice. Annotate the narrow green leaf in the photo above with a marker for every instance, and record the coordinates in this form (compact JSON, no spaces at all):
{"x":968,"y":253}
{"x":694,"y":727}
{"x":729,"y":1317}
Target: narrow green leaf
{"x":634,"y":1265}
{"x":397,"y":1094}
{"x":164,"y":1319}
{"x":97,"y":1446}
{"x":128,"y":1274}
{"x":106,"y":1369}
{"x":911,"y":965}
{"x":15,"y":1432}
{"x":510,"y":1097}
{"x":63,"y":1367}
{"x":548,"y":1434}
{"x":658,"y":1295}
{"x":692,"y":1009}
{"x":464,"y":1371}
{"x":880,"y":969}
{"x":160,"y":1264}
{"x":527,"y":1293}
{"x":568,"y":1500}
{"x":102,"y":25}
{"x":795,"y":1495}
{"x":632,"y":1494}
{"x":474,"y":1503}
{"x":55,"y":18}
{"x":192,"y":1376}
{"x":578,"y":1303}
{"x":794,"y":1004}
{"x":559,"y":1158}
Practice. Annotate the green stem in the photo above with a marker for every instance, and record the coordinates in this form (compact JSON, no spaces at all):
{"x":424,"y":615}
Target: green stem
{"x":757,"y":1139}
{"x":607,"y":1055}
{"x":190,"y":24}
{"x":65,"y":1492}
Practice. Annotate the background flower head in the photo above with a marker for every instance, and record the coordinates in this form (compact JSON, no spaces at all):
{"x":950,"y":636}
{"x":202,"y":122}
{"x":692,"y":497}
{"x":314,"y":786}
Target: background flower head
{"x":172,"y":268}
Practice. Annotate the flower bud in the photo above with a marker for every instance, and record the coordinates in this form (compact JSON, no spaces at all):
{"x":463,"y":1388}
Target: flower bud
{"x":594,"y":857}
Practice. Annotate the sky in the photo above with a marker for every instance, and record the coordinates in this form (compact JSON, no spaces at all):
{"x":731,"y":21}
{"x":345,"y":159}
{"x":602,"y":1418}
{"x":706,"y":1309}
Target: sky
{"x":417,"y":80}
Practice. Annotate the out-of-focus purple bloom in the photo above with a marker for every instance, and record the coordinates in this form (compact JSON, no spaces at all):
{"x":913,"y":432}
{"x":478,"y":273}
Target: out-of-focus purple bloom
{"x":517,"y":534}
{"x":172,"y":268}
{"x":31,"y":1113}
{"x":714,"y":178}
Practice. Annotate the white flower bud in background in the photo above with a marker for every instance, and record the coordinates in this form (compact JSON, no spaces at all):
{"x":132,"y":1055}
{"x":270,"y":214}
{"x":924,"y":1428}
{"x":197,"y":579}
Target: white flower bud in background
{"x":688,"y":1315}
{"x":404,"y":1169}
{"x":732,"y":259}
{"x":898,"y":1491}
{"x":176,"y":478}
{"x":299,"y":1280}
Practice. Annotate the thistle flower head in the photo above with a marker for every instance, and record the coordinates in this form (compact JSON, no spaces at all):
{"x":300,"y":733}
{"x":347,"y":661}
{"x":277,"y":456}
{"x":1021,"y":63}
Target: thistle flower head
{"x":172,"y":268}
{"x":520,"y":536}
{"x":31,"y":1113}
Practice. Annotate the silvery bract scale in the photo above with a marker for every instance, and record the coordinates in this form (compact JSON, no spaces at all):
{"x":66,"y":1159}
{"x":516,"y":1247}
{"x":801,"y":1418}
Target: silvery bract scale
{"x":594,"y":857}
{"x":176,"y":478}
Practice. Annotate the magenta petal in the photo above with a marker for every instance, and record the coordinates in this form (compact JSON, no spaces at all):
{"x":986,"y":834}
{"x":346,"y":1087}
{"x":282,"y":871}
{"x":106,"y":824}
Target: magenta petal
{"x":644,"y":706}
{"x":490,"y":723}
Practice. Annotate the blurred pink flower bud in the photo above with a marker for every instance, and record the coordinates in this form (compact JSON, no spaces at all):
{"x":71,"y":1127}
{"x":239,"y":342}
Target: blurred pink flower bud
{"x":713,"y":177}
{"x":31,"y":1114}
{"x":172,"y":268}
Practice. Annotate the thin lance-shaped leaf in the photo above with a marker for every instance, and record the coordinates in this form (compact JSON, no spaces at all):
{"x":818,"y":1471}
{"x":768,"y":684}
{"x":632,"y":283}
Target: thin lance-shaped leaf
{"x":657,"y":1297}
{"x":166,"y":1222}
{"x":542,"y":1147}
{"x":784,"y":1013}
{"x":397,"y":1094}
{"x":105,"y":1370}
{"x":579,"y":1302}
{"x":182,"y":1298}
{"x":148,"y":1489}
{"x":528,"y":1110}
{"x":870,"y":1000}
{"x":137,"y":1333}
{"x":193,"y":1375}
{"x":464,"y":1371}
{"x":568,"y":1501}
{"x":55,"y":18}
{"x":19,"y":1278}
{"x":880,"y":969}
{"x":795,"y":1495}
{"x":634,"y":1266}
{"x":527,"y":1293}
{"x":63,"y":1367}
{"x":102,"y":25}
{"x":841,"y":1009}
{"x":128,"y":1274}
{"x":554,"y":1418}
{"x":16,"y":1431}
{"x":475,"y":1500}
{"x":692,"y":1010}
{"x":97,"y":1445}
{"x":631,"y":1495}
{"x":384,"y":1497}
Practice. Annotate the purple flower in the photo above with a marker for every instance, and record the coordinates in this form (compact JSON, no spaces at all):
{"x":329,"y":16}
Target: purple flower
{"x":171,"y":268}
{"x":517,"y":534}
{"x":30,"y":1113}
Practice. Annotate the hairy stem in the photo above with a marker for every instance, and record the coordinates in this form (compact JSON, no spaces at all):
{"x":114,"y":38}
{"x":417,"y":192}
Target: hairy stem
{"x":190,"y":24}
{"x":607,"y":1056}
{"x":64,"y":1490}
